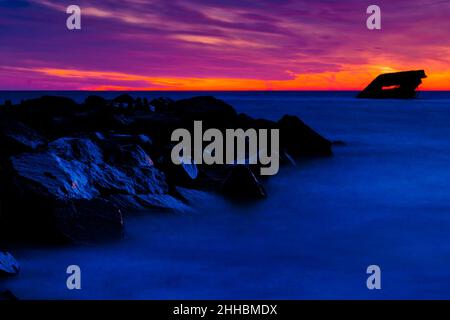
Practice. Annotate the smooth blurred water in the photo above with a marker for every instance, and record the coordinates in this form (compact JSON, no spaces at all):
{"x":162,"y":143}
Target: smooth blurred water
{"x":382,"y":199}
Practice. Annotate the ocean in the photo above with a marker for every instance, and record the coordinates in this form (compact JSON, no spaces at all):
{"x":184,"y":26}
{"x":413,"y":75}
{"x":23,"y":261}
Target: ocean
{"x":382,"y":199}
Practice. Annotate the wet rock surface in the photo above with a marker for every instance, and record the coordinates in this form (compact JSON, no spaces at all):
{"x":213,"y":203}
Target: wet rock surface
{"x":242,"y":184}
{"x":8,"y":264}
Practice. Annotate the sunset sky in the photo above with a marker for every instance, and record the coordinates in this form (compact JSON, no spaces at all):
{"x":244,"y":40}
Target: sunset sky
{"x":220,"y":44}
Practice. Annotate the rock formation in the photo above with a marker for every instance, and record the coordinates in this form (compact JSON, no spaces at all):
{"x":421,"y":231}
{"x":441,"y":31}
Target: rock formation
{"x":73,"y":171}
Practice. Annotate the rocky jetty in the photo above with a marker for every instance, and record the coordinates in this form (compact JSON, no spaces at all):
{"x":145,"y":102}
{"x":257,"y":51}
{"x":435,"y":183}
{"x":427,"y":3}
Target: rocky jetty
{"x":397,"y":85}
{"x":72,"y":171}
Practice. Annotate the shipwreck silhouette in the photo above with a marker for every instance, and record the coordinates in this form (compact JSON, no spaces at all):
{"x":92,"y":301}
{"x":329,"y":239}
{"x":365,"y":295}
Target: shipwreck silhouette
{"x":397,"y":85}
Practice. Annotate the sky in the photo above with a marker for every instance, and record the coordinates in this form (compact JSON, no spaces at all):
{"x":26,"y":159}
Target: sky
{"x":220,"y":44}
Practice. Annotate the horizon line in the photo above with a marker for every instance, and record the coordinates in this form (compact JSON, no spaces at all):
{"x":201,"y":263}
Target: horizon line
{"x":207,"y":90}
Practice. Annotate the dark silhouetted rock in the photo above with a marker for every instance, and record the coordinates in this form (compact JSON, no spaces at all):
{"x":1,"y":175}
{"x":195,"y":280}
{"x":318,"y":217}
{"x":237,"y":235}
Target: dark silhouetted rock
{"x":57,"y":177}
{"x":210,"y":110}
{"x":124,"y":100}
{"x":89,"y":221}
{"x":297,"y":139}
{"x":8,"y":265}
{"x":190,"y":169}
{"x":95,"y":102}
{"x":74,"y":186}
{"x":185,"y":174}
{"x":162,"y":104}
{"x":15,"y":137}
{"x":242,"y":184}
{"x":70,"y":171}
{"x":41,"y":111}
{"x":48,"y":115}
{"x":53,"y":105}
{"x":62,"y":200}
{"x":397,"y":85}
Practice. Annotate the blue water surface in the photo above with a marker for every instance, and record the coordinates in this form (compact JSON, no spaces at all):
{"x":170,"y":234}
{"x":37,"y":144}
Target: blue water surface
{"x":383,"y":198}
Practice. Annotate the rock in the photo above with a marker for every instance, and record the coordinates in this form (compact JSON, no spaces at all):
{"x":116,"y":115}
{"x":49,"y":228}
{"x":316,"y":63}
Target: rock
{"x":50,"y":106}
{"x":187,"y":169}
{"x":131,"y":155}
{"x":99,"y":163}
{"x":212,"y":111}
{"x":159,"y":126}
{"x":164,"y":202}
{"x":145,"y":139}
{"x":192,"y":195}
{"x":242,"y":184}
{"x":15,"y":137}
{"x":286,"y":159}
{"x":69,"y":181}
{"x":298,"y":140}
{"x":86,"y":222}
{"x":48,"y":115}
{"x":132,"y":164}
{"x":8,"y":265}
{"x":79,"y":149}
{"x":56,"y":177}
{"x":149,"y":202}
{"x":397,"y":85}
{"x":63,"y":202}
{"x":124,"y":100}
{"x":45,"y":108}
{"x":185,"y":174}
{"x":244,"y":121}
{"x":95,"y":102}
{"x":190,"y":169}
{"x":162,"y":104}
{"x":108,"y":180}
{"x":339,"y":143}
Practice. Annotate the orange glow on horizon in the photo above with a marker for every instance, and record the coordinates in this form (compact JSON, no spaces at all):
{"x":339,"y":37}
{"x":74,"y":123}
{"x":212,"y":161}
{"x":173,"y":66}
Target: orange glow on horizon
{"x":351,"y":79}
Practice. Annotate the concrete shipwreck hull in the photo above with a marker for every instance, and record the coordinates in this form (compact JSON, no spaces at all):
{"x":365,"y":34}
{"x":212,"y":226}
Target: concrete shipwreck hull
{"x":397,"y":85}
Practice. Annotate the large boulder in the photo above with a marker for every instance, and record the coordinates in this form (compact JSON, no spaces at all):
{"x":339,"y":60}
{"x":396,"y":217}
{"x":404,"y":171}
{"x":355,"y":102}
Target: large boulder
{"x":89,"y":221}
{"x":94,"y":102}
{"x":55,"y":117}
{"x":54,"y":176}
{"x":74,"y":188}
{"x":15,"y":137}
{"x":50,"y":105}
{"x":124,"y":100}
{"x":210,"y":110}
{"x":45,"y":112}
{"x":298,"y":139}
{"x":62,"y":202}
{"x":242,"y":184}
